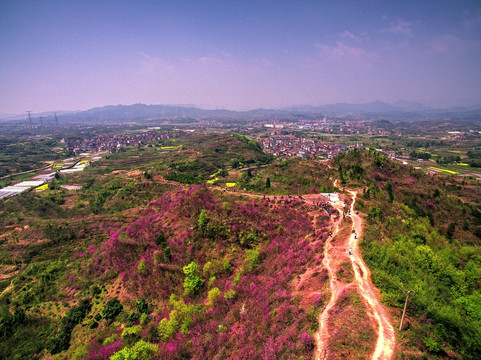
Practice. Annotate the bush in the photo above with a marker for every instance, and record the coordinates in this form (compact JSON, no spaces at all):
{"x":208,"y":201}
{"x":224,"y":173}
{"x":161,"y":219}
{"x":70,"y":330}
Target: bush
{"x":132,"y":333}
{"x":212,"y":296}
{"x":140,"y":351}
{"x":9,"y":322}
{"x":93,"y":324}
{"x":74,"y":316}
{"x":193,"y":282}
{"x":133,"y":317}
{"x":112,"y":309}
{"x":252,"y":256}
{"x":142,"y":307}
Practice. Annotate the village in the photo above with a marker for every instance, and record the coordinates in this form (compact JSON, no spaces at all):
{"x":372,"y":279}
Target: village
{"x":285,"y":147}
{"x":114,"y":142}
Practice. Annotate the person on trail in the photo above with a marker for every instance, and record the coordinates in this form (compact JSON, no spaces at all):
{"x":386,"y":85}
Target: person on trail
{"x":350,"y":251}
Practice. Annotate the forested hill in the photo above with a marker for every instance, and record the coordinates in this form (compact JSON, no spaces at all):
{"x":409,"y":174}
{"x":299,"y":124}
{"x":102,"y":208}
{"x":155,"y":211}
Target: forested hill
{"x":423,"y":235}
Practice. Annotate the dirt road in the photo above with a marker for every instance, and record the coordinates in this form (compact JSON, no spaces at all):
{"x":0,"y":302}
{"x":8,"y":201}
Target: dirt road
{"x":386,"y":337}
{"x":333,"y":255}
{"x":335,"y":252}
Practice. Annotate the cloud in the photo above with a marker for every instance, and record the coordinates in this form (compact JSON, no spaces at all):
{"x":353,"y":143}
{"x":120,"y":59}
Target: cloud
{"x":153,"y":64}
{"x":401,"y":28}
{"x":210,"y":60}
{"x":349,"y":35}
{"x":342,"y":51}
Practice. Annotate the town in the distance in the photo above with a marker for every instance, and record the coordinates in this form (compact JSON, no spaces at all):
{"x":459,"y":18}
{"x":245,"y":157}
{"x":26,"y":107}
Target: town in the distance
{"x":437,"y":141}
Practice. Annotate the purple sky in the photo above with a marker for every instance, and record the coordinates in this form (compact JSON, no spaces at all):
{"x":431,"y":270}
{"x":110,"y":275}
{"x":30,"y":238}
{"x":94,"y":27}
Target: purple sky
{"x":75,"y":55}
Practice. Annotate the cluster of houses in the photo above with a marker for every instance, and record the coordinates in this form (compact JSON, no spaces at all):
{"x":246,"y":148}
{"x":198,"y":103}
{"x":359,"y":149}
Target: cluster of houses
{"x":285,"y":146}
{"x":113,"y":143}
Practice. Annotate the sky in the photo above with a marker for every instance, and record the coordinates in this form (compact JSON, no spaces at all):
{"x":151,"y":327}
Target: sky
{"x":238,"y":55}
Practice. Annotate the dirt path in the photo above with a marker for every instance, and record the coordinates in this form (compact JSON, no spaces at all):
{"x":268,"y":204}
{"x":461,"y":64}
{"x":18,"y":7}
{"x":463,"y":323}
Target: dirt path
{"x":335,"y":251}
{"x":386,"y":340}
{"x":322,"y":336}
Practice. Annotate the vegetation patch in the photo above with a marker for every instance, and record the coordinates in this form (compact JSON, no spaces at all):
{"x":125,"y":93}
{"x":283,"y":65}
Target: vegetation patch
{"x":351,"y":336}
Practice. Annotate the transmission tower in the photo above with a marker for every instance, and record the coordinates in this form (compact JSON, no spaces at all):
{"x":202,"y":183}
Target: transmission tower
{"x":29,"y":118}
{"x":56,"y":120}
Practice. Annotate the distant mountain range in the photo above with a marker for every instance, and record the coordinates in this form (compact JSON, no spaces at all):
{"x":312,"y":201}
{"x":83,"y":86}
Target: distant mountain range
{"x":372,"y":107}
{"x":401,"y":110}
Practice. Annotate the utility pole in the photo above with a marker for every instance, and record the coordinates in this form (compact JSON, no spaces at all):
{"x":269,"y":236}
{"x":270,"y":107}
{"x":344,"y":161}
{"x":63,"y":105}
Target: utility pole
{"x":29,"y":117}
{"x":405,"y":306}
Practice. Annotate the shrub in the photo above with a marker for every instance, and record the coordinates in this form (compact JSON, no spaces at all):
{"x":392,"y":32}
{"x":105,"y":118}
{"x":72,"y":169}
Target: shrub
{"x":142,"y":306}
{"x":168,"y":327}
{"x":252,"y":256}
{"x":203,"y":220}
{"x":140,"y":351}
{"x":212,"y":296}
{"x":74,"y":316}
{"x":160,"y":240}
{"x":144,"y":318}
{"x":133,"y":317}
{"x":193,"y":282}
{"x":9,"y":322}
{"x":132,"y":333}
{"x":93,"y":324}
{"x":112,"y":309}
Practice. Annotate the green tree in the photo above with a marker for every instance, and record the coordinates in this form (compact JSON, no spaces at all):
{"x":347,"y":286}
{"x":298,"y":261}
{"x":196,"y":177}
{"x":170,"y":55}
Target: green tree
{"x":252,"y":256}
{"x":141,"y":267}
{"x":451,"y":229}
{"x":112,"y":309}
{"x":203,"y":220}
{"x":142,"y":350}
{"x":192,"y":282}
{"x":389,"y":191}
{"x":142,"y":306}
{"x":268,"y":183}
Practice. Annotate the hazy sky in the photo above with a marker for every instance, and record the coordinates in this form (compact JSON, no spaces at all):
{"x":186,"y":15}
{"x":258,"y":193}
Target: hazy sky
{"x":74,"y":55}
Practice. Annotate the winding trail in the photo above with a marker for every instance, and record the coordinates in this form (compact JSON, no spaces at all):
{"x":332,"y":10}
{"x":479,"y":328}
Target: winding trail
{"x":322,"y":336}
{"x":335,"y":252}
{"x":386,"y":339}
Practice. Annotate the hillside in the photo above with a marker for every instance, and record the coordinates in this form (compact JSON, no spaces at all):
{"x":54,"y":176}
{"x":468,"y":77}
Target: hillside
{"x":422,"y":235}
{"x":200,"y":247}
{"x":190,"y":269}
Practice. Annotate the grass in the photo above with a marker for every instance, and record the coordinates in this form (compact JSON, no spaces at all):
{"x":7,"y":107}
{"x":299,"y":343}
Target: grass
{"x":353,"y":337}
{"x":345,"y":273}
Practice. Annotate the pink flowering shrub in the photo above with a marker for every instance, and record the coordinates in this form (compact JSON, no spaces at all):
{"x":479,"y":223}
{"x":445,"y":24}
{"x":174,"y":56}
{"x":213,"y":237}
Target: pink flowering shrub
{"x":249,"y":250}
{"x":103,"y":352}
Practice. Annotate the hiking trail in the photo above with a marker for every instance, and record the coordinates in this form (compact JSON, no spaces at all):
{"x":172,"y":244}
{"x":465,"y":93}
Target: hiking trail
{"x":334,"y":250}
